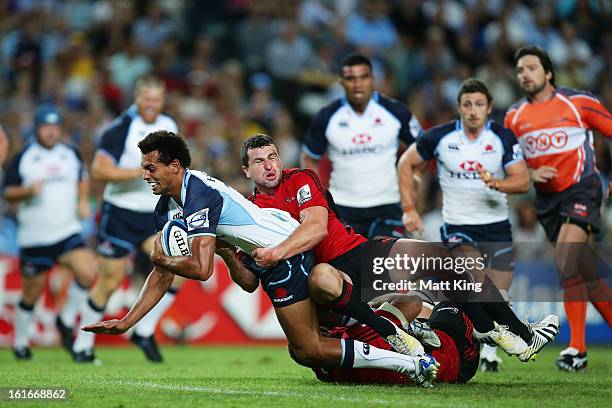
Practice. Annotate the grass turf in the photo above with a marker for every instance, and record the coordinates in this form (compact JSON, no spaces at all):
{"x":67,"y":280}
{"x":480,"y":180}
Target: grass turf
{"x":267,"y":377}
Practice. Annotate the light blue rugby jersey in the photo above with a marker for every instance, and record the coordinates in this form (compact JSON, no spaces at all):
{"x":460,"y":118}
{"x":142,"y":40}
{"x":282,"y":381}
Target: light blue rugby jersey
{"x":211,"y":207}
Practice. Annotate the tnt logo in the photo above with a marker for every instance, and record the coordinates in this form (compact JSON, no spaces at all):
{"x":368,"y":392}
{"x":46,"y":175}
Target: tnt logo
{"x":470,"y":165}
{"x":362,"y":139}
{"x":544,"y":142}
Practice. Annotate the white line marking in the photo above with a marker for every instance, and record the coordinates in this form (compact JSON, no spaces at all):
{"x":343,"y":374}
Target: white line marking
{"x":229,"y":391}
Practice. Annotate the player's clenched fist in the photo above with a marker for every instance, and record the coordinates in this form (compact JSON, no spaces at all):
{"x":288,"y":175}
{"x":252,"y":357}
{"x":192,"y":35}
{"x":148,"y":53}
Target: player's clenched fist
{"x":412,"y":221}
{"x":266,"y":257}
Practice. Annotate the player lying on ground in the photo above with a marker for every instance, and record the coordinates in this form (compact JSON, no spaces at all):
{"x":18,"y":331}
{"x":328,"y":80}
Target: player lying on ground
{"x":449,"y":340}
{"x":340,"y":251}
{"x":212,"y":210}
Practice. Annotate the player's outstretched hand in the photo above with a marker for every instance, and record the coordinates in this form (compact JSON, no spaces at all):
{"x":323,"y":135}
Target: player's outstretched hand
{"x":107,"y":327}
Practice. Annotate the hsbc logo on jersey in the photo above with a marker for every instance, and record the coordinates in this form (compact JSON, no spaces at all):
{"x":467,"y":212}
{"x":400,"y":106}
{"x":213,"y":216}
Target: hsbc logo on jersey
{"x":469,"y":165}
{"x":361,"y":139}
{"x":544,"y":141}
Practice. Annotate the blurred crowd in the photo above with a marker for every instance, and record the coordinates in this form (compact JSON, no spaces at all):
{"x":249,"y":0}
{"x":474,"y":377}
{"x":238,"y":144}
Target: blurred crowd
{"x":236,"y":67}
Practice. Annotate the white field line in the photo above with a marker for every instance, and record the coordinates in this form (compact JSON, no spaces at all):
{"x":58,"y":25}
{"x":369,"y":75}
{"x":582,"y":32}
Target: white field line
{"x":229,"y":391}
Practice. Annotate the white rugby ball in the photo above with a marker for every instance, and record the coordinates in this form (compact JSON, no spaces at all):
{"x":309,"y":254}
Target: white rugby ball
{"x":174,"y":239}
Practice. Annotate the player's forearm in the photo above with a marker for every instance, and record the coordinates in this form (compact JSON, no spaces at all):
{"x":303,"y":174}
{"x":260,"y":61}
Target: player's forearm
{"x":84,"y":191}
{"x":405,"y":177}
{"x":14,"y":194}
{"x":110,"y":173}
{"x":185,"y":266}
{"x":157,"y":284}
{"x":305,"y":237}
{"x":243,"y":277}
{"x":514,"y":184}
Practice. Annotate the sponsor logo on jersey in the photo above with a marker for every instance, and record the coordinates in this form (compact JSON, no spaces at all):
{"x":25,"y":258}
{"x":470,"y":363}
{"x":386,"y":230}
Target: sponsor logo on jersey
{"x":377,"y":122}
{"x":488,"y":149}
{"x":304,"y":194}
{"x":470,"y":165}
{"x":544,"y":141}
{"x":281,"y":295}
{"x":106,"y":249}
{"x":198,"y":219}
{"x":517,"y":153}
{"x":343,"y":124}
{"x":454,"y":147}
{"x":451,"y":309}
{"x":366,"y":349}
{"x":580,"y":210}
{"x":362,"y":150}
{"x":361,"y":139}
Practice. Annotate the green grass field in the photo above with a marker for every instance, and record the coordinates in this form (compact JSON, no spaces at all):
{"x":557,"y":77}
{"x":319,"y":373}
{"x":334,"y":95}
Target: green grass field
{"x":267,"y":377}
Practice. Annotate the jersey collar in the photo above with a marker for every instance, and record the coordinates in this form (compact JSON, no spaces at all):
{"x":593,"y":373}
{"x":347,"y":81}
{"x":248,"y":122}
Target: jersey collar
{"x":186,"y":178}
{"x":375,"y":97}
{"x":464,"y":138}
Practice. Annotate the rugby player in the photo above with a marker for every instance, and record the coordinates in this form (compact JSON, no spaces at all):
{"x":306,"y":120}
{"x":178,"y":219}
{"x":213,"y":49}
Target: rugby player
{"x":456,"y":351}
{"x":48,"y":182}
{"x":361,"y":134}
{"x":212,"y":210}
{"x":554,"y":127}
{"x":335,"y":282}
{"x":479,"y":162}
{"x":127,"y":213}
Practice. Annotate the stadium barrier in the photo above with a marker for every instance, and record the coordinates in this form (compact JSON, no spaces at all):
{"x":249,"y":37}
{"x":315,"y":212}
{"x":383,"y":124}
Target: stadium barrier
{"x":219,"y":312}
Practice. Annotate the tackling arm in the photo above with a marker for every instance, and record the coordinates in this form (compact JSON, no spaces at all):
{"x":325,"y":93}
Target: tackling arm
{"x":311,"y":231}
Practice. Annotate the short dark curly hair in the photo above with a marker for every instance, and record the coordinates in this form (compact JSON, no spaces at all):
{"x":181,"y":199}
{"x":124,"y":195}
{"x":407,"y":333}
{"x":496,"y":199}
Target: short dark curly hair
{"x":170,"y":146}
{"x":254,"y":142}
{"x":473,"y":85}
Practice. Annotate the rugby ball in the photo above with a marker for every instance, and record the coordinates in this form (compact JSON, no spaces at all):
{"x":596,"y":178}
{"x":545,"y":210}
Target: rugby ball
{"x":174,"y":238}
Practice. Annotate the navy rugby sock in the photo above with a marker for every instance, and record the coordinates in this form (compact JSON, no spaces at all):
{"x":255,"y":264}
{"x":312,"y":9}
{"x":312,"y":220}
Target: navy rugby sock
{"x":349,"y":303}
{"x":500,"y":311}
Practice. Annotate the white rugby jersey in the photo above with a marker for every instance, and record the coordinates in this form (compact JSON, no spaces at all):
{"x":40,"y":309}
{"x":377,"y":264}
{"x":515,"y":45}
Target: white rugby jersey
{"x":211,"y":207}
{"x":362,"y":149}
{"x":466,"y":198}
{"x":52,"y":215}
{"x":120,"y":142}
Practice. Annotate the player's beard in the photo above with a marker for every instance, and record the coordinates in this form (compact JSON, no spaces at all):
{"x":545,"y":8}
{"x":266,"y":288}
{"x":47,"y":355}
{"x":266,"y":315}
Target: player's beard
{"x":537,"y":88}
